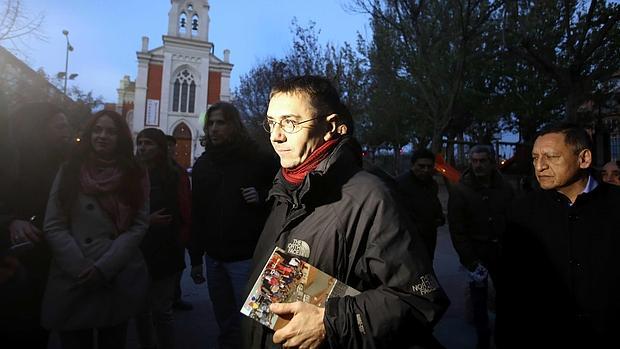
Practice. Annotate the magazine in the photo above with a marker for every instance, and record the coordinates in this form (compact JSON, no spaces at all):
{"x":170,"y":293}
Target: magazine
{"x":287,"y":279}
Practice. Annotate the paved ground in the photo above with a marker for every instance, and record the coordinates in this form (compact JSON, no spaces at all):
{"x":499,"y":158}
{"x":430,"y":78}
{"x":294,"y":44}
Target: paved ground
{"x":197,"y":328}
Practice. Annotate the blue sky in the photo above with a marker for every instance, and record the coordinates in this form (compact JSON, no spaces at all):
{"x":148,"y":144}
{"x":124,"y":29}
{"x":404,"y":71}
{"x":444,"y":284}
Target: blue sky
{"x":107,"y":33}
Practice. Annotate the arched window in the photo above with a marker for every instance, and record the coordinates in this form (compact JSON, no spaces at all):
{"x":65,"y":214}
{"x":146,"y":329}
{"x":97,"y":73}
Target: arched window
{"x":190,"y":7}
{"x":184,"y":92}
{"x":183,"y":23}
{"x":195,"y":25}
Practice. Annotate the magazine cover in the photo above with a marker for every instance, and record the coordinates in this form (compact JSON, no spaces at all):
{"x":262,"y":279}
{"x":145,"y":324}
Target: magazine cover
{"x":287,"y":279}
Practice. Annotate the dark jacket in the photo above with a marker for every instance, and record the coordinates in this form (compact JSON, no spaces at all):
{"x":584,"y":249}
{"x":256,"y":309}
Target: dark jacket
{"x":421,"y":202}
{"x":26,"y":198}
{"x":5,"y":220}
{"x":344,"y":221}
{"x":477,"y":217}
{"x":162,"y":247}
{"x":561,"y":271}
{"x":223,"y":224}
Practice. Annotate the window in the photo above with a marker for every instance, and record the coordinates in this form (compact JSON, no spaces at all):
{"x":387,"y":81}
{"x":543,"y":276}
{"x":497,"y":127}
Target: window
{"x":184,"y":92}
{"x":183,"y":23}
{"x":195,"y":25}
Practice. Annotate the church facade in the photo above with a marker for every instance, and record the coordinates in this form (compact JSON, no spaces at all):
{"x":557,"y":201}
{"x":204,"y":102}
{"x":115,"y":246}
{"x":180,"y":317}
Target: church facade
{"x":178,"y":81}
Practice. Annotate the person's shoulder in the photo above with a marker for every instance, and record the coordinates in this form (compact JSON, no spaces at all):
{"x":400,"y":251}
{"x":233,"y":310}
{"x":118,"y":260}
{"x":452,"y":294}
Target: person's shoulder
{"x":369,"y":186}
{"x":526,"y":205}
{"x":403,"y":177}
{"x":609,"y":193}
{"x":458,"y":188}
{"x":202,"y":160}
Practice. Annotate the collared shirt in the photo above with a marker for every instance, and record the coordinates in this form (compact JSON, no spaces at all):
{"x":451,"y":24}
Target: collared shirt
{"x":591,"y":185}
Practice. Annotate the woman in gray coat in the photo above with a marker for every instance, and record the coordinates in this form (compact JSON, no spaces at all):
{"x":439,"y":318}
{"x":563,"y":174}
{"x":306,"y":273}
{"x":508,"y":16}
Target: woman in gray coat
{"x":96,"y":218}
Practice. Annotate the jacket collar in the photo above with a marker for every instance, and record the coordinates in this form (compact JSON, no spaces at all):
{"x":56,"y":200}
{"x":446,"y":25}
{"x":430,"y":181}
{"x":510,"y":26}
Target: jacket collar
{"x":343,"y":161}
{"x":470,"y":180}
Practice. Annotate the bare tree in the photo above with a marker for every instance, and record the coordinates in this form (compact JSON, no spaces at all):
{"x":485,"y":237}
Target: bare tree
{"x":345,"y":66}
{"x":573,"y":43}
{"x":438,"y":44}
{"x":17,"y":24}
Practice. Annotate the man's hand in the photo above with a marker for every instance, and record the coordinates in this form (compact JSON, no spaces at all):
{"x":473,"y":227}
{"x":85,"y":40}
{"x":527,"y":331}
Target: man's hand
{"x":250,"y":195}
{"x":157,"y":218}
{"x":22,"y":231}
{"x":305,"y":330}
{"x":480,"y":274}
{"x":197,"y":274}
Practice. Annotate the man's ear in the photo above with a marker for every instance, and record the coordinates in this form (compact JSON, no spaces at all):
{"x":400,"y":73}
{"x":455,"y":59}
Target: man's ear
{"x":585,"y":158}
{"x":335,"y":127}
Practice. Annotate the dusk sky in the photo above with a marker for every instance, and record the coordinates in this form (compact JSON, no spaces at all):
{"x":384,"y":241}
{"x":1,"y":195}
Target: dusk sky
{"x":107,"y":33}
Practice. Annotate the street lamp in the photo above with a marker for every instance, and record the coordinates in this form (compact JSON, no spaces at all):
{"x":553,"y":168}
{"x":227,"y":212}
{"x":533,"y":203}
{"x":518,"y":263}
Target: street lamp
{"x":66,"y":74}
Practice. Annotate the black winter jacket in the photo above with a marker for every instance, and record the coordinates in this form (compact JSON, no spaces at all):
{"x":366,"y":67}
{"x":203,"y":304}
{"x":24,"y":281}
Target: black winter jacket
{"x":162,"y":248}
{"x":561,"y":271}
{"x":223,"y":224}
{"x":26,"y":198}
{"x":421,"y":202}
{"x":344,"y":221}
{"x":477,"y":217}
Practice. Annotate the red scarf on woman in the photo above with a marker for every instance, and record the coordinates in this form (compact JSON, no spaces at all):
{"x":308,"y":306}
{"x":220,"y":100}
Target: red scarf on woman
{"x":102,"y":179}
{"x":296,"y":175}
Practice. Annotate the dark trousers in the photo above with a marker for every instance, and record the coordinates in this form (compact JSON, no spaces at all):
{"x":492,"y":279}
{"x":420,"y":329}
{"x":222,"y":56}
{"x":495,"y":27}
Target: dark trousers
{"x":479,"y":298}
{"x":177,"y":287}
{"x":479,"y":293}
{"x":113,"y":337}
{"x":226,"y":281}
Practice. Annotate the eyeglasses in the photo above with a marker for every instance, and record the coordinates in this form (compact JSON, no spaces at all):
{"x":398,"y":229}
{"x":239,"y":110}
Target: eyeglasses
{"x":287,"y":125}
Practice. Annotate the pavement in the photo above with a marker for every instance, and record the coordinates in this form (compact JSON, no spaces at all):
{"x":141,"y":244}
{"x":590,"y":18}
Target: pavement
{"x":197,"y":328}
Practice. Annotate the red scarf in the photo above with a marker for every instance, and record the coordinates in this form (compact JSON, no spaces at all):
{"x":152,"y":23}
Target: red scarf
{"x":102,"y":179}
{"x":296,"y":175}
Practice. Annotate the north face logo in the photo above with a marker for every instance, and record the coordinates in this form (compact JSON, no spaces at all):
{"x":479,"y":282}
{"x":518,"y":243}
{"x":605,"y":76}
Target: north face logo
{"x":426,"y":285}
{"x":298,"y":248}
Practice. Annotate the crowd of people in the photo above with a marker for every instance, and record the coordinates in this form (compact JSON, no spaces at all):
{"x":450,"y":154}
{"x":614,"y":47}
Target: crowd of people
{"x":94,"y":233}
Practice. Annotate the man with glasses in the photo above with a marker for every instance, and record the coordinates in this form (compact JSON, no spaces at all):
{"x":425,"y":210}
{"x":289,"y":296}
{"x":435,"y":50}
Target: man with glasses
{"x":343,"y":220}
{"x":477,"y":217}
{"x":419,"y":194}
{"x":561,"y":252}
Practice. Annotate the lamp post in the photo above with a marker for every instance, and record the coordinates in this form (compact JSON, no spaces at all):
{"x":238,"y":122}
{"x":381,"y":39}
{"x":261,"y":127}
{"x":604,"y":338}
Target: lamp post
{"x":69,"y":48}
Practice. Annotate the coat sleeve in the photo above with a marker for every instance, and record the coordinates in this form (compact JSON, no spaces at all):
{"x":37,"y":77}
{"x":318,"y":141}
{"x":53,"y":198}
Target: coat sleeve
{"x":401,"y":299}
{"x":127,"y":244}
{"x":65,"y":250}
{"x":457,"y":219}
{"x":185,"y":207}
{"x":196,"y":243}
{"x":438,"y":209}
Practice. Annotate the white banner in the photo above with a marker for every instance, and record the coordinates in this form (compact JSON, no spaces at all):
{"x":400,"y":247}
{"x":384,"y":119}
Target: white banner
{"x":152,"y":112}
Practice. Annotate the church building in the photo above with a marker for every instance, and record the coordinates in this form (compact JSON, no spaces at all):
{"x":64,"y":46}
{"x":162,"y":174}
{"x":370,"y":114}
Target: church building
{"x":178,"y":81}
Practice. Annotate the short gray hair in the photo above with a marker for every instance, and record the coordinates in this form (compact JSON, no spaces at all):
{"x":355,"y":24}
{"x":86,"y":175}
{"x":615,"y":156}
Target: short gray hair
{"x":483,"y":148}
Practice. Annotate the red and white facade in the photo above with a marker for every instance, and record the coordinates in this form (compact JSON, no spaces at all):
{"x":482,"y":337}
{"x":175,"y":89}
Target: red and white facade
{"x":179,"y":80}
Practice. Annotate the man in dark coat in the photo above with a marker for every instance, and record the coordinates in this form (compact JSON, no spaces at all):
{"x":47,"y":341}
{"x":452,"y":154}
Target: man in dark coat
{"x":561,"y":252}
{"x":477,"y":217}
{"x":230,"y":182}
{"x":343,"y":220}
{"x":162,"y":245}
{"x":418,"y":191}
{"x":40,"y":139}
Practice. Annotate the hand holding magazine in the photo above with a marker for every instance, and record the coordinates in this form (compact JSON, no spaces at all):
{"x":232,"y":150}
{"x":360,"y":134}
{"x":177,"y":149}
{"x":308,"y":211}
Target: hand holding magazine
{"x":287,"y":279}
